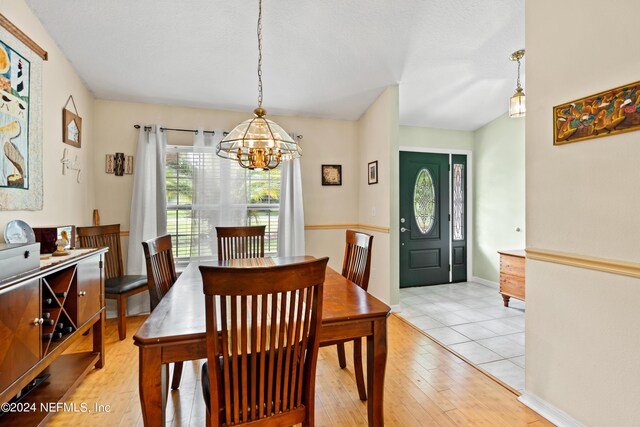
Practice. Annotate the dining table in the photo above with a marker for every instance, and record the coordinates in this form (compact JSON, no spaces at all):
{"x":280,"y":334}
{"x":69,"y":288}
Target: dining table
{"x":175,"y":331}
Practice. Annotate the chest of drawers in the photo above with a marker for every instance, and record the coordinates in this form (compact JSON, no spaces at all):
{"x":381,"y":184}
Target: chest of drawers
{"x":512,"y":269}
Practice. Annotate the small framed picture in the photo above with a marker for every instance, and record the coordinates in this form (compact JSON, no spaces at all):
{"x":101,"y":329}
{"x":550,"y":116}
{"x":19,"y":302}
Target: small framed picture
{"x":372,"y":176}
{"x":331,"y":174}
{"x":71,"y":128}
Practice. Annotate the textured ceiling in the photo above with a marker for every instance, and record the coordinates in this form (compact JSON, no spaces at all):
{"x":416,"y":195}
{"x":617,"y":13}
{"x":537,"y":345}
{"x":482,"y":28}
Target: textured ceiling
{"x":328,"y":58}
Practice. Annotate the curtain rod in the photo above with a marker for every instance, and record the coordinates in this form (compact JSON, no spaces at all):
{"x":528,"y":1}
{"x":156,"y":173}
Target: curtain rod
{"x":148,"y":128}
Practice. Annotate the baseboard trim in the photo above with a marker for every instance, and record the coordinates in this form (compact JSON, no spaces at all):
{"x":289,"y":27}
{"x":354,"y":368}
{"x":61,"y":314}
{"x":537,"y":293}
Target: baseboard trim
{"x":489,"y":283}
{"x":550,"y":412}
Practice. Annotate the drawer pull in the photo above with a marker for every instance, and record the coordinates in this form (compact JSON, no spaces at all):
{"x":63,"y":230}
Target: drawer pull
{"x":38,"y":321}
{"x":82,"y":293}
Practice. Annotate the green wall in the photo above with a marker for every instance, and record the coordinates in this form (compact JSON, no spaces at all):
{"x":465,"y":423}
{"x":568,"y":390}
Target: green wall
{"x":499,"y":193}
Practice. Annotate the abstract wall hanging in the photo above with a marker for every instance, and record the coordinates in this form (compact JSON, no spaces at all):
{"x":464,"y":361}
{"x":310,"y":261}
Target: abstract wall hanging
{"x":606,"y":113}
{"x":20,"y":119}
{"x":331,"y":174}
{"x":118,"y":164}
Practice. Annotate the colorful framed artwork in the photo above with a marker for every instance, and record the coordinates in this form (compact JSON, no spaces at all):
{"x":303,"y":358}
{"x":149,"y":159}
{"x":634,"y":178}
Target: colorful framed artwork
{"x":331,"y":174}
{"x":20,"y":119}
{"x":372,"y":173}
{"x":606,"y":113}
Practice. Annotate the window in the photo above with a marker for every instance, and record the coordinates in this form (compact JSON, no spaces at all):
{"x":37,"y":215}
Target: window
{"x":192,"y":225}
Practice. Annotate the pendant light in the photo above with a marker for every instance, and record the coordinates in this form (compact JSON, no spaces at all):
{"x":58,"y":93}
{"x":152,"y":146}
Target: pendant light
{"x":517,"y":106}
{"x":258,"y":143}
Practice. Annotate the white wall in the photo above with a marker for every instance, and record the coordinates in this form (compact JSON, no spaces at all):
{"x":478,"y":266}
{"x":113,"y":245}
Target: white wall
{"x":64,"y":201}
{"x":378,"y":136}
{"x":581,"y":341}
{"x":499,"y":193}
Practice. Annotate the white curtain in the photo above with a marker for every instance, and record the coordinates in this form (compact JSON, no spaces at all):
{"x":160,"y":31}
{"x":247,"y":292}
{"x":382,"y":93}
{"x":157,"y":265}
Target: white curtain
{"x":291,"y":218}
{"x":219,"y":195}
{"x":149,"y":200}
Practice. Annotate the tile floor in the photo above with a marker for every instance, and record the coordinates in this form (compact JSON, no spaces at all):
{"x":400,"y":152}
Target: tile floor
{"x":471,"y":320}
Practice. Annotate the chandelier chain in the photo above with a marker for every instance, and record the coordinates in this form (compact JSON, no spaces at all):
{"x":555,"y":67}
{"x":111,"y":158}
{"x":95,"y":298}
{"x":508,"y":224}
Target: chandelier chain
{"x":518,"y":81}
{"x":260,"y":53}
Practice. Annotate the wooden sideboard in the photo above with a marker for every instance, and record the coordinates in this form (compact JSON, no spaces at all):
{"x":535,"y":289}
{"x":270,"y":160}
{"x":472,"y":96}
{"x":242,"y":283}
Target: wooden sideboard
{"x":512,"y":275}
{"x":42,"y":312}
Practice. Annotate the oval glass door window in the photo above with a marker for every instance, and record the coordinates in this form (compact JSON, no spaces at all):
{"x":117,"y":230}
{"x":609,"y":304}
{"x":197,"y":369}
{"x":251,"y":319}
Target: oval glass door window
{"x":424,"y":201}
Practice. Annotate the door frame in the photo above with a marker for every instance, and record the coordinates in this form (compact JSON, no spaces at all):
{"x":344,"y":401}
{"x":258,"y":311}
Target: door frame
{"x":469,"y":174}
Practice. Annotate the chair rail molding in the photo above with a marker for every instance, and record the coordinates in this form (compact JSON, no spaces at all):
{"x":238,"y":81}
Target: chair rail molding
{"x":345,"y":226}
{"x":623,"y":268}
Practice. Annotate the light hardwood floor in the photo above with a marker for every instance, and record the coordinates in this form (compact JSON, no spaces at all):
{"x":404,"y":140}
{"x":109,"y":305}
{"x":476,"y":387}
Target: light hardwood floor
{"x":424,"y":385}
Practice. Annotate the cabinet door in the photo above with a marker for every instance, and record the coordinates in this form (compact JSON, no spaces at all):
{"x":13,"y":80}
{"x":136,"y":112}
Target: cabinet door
{"x":19,"y":330}
{"x":89,"y":279}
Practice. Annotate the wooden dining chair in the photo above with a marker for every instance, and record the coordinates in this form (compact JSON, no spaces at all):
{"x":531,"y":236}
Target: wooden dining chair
{"x":117,"y":285}
{"x":240,"y":242}
{"x":161,"y":273}
{"x":263,"y":327}
{"x":356,"y":267}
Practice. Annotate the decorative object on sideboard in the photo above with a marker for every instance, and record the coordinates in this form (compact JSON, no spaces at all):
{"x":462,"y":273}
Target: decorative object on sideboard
{"x":118,"y":164}
{"x":517,"y":104}
{"x":18,"y":258}
{"x":331,"y":174}
{"x":372,"y":172}
{"x":18,"y":231}
{"x":606,"y":113}
{"x":21,"y":119}
{"x":68,"y":164}
{"x":258,"y":143}
{"x":71,"y":125}
{"x":49,"y":237}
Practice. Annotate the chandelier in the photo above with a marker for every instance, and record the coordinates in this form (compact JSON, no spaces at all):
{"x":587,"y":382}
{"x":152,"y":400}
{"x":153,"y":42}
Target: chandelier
{"x":517,"y":106}
{"x":258,"y":143}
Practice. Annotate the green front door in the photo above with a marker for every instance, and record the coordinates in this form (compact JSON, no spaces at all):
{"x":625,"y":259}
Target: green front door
{"x":425,"y":223}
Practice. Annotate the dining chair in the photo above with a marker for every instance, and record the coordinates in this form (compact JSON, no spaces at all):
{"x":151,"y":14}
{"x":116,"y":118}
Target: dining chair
{"x":262,"y":334}
{"x":161,"y":273}
{"x":117,"y":285}
{"x":356,"y":267}
{"x":240,"y":242}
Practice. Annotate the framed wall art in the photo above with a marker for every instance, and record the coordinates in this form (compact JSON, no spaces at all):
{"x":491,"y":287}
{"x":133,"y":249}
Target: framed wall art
{"x":606,"y":113}
{"x":331,"y":174}
{"x":71,"y":125}
{"x":372,"y":173}
{"x":20,"y":119}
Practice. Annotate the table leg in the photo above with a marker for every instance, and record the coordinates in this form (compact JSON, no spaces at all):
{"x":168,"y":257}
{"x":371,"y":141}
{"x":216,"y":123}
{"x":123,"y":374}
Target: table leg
{"x":376,"y":364}
{"x":152,"y":386}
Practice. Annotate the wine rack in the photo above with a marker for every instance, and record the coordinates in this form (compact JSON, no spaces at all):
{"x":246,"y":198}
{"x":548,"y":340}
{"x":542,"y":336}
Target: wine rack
{"x":59,"y":308}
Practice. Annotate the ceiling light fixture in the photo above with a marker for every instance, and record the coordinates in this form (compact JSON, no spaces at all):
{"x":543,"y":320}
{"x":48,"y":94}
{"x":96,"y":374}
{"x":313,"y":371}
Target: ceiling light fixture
{"x":259,"y":143}
{"x":517,"y":107}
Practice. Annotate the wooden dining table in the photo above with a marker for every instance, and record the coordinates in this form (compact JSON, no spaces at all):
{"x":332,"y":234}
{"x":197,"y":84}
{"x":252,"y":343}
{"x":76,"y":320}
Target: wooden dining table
{"x":175,"y":331}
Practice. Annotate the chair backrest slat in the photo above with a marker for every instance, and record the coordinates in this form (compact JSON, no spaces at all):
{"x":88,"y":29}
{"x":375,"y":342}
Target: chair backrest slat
{"x":262,"y":340}
{"x":357,"y":258}
{"x":161,"y":270}
{"x":100,"y":236}
{"x":240,"y":242}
